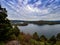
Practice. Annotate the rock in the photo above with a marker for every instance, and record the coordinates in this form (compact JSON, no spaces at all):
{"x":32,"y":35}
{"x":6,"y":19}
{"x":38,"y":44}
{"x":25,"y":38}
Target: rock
{"x":14,"y":42}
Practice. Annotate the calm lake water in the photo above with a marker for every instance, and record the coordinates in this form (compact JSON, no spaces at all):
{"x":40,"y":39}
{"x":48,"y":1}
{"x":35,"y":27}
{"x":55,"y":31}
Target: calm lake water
{"x":47,"y":30}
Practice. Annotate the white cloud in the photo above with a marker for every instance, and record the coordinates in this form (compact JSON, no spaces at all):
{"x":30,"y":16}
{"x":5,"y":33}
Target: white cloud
{"x":27,"y":11}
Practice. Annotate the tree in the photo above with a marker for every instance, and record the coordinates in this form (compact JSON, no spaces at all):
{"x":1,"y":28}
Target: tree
{"x":52,"y":40}
{"x":16,"y":31}
{"x":58,"y":36}
{"x":43,"y":38}
{"x":35,"y":36}
{"x":6,"y":30}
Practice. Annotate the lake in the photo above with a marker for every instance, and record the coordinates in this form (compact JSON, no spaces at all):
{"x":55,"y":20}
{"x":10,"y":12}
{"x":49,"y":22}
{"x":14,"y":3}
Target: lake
{"x":47,"y":30}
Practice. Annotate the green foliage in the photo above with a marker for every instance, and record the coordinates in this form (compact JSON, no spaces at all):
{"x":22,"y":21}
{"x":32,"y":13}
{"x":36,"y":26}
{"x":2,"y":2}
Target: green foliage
{"x":16,"y":31}
{"x":35,"y":36}
{"x":2,"y":43}
{"x":3,"y":32}
{"x":21,"y":38}
{"x":34,"y":42}
{"x":58,"y":36}
{"x":12,"y":37}
{"x":57,"y":42}
{"x":53,"y":39}
{"x":3,"y":15}
{"x":6,"y":30}
{"x":43,"y":38}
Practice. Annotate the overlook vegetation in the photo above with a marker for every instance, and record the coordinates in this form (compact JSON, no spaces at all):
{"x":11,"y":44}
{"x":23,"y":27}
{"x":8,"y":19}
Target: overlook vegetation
{"x":27,"y":39}
{"x":7,"y":32}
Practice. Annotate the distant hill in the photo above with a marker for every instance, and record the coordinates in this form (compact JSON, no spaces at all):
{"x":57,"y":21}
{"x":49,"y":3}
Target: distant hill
{"x":41,"y":22}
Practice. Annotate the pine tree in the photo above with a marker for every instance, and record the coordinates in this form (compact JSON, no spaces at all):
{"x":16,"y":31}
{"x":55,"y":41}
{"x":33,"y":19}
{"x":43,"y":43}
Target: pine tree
{"x":52,"y":40}
{"x":58,"y":36}
{"x":43,"y":38}
{"x":35,"y":36}
{"x":6,"y":30}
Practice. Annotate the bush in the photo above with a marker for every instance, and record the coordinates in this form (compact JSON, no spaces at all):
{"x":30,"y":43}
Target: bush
{"x":2,"y":43}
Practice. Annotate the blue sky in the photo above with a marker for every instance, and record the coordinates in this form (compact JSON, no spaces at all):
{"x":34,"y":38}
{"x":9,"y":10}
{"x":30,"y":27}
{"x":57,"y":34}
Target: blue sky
{"x":32,"y":9}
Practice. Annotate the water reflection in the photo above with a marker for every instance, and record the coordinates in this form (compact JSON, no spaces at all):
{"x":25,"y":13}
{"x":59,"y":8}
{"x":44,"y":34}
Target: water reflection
{"x":47,"y":30}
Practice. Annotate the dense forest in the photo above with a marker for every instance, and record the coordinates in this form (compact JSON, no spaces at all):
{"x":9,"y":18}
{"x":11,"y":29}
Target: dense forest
{"x":9,"y":33}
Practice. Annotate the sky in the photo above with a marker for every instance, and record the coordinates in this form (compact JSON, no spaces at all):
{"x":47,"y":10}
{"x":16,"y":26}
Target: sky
{"x":32,"y":9}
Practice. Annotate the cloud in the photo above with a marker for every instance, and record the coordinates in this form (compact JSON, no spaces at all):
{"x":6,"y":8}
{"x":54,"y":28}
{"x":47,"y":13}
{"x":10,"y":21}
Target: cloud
{"x":33,"y":9}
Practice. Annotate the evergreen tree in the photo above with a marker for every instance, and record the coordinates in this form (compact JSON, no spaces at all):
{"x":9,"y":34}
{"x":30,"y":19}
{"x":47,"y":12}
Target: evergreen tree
{"x":58,"y":36}
{"x":35,"y":36}
{"x":52,"y":40}
{"x":6,"y":30}
{"x":43,"y":38}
